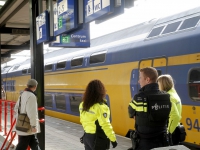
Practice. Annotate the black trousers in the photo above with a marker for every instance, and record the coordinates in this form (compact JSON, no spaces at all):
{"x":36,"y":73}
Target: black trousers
{"x":93,"y":142}
{"x":25,"y":141}
{"x":147,"y":144}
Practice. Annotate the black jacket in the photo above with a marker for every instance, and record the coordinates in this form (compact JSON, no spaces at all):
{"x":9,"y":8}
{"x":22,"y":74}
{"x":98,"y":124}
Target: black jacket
{"x":138,"y":109}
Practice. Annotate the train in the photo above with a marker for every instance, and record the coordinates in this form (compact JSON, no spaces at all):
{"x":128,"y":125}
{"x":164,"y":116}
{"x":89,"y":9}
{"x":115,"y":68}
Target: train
{"x":170,"y":44}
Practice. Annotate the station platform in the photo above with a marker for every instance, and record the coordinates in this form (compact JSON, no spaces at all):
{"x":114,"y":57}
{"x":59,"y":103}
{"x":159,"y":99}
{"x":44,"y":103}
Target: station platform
{"x":64,"y":135}
{"x":61,"y":135}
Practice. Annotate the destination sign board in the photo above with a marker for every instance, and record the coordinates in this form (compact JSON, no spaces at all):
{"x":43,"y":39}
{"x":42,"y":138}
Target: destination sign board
{"x":42,"y":27}
{"x":117,"y":11}
{"x":80,"y":38}
{"x":97,"y":8}
{"x":65,"y":16}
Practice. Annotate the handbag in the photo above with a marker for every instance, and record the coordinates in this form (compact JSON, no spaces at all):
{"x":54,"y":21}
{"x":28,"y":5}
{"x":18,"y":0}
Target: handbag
{"x":23,"y":122}
{"x":178,"y":135}
{"x":181,"y":131}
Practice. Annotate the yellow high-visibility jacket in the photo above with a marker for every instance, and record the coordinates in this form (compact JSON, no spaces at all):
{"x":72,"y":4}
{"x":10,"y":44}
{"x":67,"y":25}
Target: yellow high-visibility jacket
{"x":176,"y":110}
{"x":98,"y":112}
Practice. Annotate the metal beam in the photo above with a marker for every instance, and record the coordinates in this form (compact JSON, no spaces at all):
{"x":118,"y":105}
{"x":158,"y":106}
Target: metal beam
{"x":16,"y":47}
{"x":6,"y":7}
{"x":18,"y":31}
{"x":14,"y":12}
{"x":6,"y":55}
{"x":37,"y":64}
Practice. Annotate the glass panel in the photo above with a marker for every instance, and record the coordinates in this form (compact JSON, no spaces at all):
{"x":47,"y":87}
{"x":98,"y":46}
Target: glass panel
{"x":159,"y":72}
{"x":188,"y":23}
{"x":74,"y":103}
{"x":194,"y":84}
{"x":61,"y":65}
{"x":155,"y":32}
{"x":8,"y":85}
{"x":29,"y":70}
{"x":13,"y":85}
{"x":77,"y":62}
{"x":24,"y":71}
{"x":48,"y":100}
{"x":171,"y":27}
{"x":15,"y":68}
{"x":60,"y":102}
{"x":97,"y":58}
{"x":48,"y":67}
{"x":6,"y":69}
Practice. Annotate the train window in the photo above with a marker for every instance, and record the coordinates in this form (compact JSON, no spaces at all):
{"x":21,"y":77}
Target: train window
{"x":61,"y":65}
{"x":194,"y":84}
{"x":98,"y":57}
{"x":48,"y":67}
{"x":29,"y":70}
{"x":77,"y":61}
{"x":159,"y":72}
{"x":6,"y":69}
{"x":15,"y":68}
{"x":189,"y":23}
{"x":24,"y":71}
{"x":60,"y":102}
{"x":48,"y":100}
{"x":155,"y":31}
{"x":13,"y":85}
{"x":74,"y":103}
{"x":171,"y":27}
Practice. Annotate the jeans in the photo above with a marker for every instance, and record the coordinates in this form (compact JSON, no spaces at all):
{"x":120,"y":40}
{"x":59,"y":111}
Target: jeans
{"x":25,"y":141}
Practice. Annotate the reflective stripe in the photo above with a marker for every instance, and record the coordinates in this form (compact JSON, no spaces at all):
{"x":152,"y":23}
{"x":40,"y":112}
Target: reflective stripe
{"x":142,"y":107}
{"x":132,"y":105}
{"x":137,"y":103}
{"x":91,"y":112}
{"x":88,"y":111}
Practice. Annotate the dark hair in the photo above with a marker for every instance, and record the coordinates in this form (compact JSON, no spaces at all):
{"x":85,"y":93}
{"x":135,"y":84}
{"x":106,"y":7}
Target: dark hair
{"x":151,"y":73}
{"x":95,"y":92}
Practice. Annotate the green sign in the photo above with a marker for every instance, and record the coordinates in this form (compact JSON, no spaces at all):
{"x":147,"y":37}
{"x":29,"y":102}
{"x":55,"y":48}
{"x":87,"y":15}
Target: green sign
{"x":60,"y":22}
{"x":65,"y":39}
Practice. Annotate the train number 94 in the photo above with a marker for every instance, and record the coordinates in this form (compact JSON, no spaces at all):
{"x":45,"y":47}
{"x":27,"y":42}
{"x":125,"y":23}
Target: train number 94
{"x":192,"y":124}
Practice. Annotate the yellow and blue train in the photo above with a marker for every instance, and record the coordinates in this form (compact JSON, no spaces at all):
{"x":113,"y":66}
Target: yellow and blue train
{"x":170,"y":44}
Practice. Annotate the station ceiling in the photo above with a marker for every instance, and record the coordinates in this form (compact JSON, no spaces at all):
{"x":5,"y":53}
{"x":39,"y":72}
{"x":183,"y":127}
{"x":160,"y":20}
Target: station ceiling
{"x":14,"y":27}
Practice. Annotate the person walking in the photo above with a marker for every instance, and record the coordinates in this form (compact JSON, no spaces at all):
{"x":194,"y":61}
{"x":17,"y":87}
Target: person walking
{"x":150,"y":108}
{"x":3,"y":93}
{"x":166,"y":83}
{"x":95,"y":118}
{"x":27,"y":103}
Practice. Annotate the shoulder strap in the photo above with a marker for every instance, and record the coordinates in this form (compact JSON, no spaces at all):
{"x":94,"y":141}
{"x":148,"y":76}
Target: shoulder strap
{"x":19,"y":105}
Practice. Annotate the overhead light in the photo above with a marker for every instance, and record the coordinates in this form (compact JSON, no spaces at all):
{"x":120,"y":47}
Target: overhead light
{"x":19,"y":56}
{"x":18,"y":25}
{"x":2,"y":3}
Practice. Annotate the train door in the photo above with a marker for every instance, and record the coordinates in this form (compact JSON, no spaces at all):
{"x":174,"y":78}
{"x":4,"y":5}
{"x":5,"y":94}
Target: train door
{"x":12,"y":92}
{"x":160,"y":63}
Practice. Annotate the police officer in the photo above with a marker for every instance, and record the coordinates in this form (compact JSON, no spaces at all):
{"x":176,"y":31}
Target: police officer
{"x":166,"y":83}
{"x":95,"y":118}
{"x":150,"y":108}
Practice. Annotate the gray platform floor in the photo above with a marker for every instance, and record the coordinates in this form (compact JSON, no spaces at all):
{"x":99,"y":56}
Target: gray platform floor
{"x":64,"y":135}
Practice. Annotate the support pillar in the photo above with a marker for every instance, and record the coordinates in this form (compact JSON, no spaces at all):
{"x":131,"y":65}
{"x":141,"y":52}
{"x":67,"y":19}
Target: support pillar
{"x":37,"y":64}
